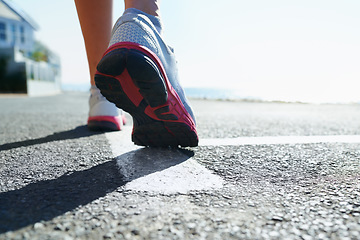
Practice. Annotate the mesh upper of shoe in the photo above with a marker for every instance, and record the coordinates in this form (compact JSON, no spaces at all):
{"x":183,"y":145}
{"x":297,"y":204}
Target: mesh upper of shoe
{"x":131,"y":32}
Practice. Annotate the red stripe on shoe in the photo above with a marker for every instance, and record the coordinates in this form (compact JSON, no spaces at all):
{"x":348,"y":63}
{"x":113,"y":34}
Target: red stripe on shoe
{"x":117,"y":120}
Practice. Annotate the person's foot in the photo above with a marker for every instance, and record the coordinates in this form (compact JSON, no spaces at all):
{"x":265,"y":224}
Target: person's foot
{"x":138,"y":73}
{"x":103,"y":115}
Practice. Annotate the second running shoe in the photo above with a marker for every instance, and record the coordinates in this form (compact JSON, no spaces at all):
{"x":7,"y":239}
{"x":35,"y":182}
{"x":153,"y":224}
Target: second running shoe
{"x":103,"y":115}
{"x":138,"y":73}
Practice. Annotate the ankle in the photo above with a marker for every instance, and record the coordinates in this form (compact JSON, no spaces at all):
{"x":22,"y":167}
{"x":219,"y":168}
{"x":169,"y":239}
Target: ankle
{"x":149,"y":7}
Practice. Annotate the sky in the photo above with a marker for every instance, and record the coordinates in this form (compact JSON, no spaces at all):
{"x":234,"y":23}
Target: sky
{"x":298,"y":50}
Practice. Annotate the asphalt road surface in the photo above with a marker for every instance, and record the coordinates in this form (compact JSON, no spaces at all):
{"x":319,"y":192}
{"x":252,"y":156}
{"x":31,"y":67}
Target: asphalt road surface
{"x":262,"y":171}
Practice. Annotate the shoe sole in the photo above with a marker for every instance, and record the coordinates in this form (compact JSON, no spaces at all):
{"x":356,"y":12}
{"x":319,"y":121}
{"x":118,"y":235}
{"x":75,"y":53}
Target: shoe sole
{"x":106,"y":123}
{"x":133,"y":78}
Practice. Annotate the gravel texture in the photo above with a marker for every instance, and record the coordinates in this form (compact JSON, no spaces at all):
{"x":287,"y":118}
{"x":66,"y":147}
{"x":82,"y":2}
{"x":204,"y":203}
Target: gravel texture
{"x":60,"y":181}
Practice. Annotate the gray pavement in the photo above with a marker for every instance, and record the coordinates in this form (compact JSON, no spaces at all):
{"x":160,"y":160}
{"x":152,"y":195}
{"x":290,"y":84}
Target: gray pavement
{"x":60,"y":181}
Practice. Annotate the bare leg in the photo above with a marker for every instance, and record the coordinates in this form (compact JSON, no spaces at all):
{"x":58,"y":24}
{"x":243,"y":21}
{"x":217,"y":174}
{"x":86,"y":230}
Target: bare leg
{"x":95,"y":18}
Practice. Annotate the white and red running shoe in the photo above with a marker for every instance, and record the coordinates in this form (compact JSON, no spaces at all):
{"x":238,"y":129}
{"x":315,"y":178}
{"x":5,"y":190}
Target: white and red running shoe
{"x":103,"y":115}
{"x":138,"y":73}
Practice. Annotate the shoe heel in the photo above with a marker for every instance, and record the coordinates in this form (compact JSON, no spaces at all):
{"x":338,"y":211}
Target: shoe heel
{"x":132,"y":78}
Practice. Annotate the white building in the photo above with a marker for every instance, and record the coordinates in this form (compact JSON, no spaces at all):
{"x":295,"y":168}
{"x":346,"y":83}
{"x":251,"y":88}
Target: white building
{"x":19,"y":72}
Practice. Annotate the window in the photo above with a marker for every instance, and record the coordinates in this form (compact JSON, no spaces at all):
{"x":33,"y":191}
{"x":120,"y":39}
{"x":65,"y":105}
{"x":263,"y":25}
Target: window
{"x":2,"y":31}
{"x":14,"y":33}
{"x":22,"y":34}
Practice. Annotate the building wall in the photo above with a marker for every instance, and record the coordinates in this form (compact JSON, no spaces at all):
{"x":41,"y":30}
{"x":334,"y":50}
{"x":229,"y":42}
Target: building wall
{"x":16,"y":33}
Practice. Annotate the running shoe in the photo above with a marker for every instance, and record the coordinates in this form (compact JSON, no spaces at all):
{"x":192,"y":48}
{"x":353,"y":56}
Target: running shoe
{"x":138,"y":73}
{"x":103,"y":115}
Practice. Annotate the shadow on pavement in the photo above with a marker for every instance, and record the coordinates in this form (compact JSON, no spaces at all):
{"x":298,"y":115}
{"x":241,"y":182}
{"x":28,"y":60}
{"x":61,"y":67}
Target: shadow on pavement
{"x":78,"y":132}
{"x":45,"y":200}
{"x":142,"y":162}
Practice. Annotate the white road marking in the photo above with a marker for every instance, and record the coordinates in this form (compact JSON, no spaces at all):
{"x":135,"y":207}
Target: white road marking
{"x":279,"y":140}
{"x":182,"y":178}
{"x":120,"y":142}
{"x":171,"y":171}
{"x":159,"y":170}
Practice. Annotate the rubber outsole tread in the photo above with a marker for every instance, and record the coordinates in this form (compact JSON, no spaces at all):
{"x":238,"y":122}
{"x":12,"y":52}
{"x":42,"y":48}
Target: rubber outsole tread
{"x":102,"y":126}
{"x":147,"y":78}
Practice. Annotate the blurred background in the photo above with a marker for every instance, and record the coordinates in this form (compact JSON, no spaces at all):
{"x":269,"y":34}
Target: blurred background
{"x":280,"y":50}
